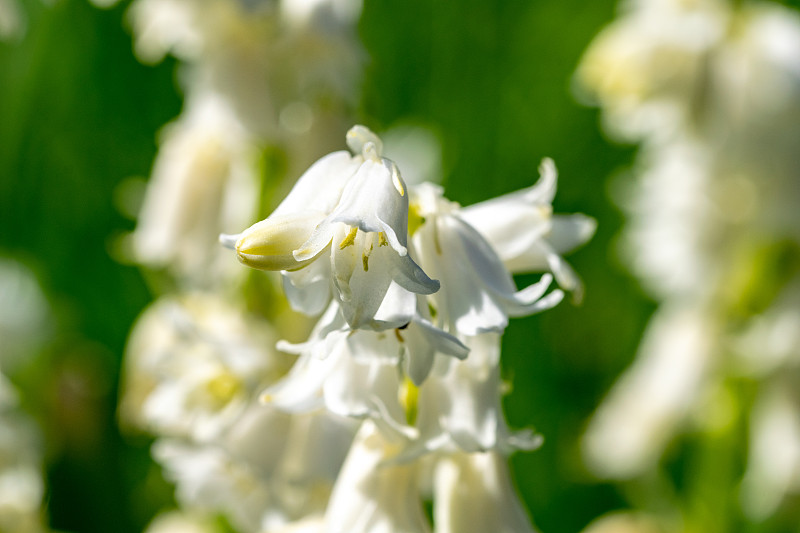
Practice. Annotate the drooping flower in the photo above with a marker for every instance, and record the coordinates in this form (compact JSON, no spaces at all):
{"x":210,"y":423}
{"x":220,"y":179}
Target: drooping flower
{"x":347,"y":216}
{"x":204,"y":182}
{"x":361,"y":373}
{"x":478,"y":293}
{"x":525,"y":233}
{"x":269,"y":469}
{"x":458,"y":408}
{"x":473,"y":493}
{"x":372,"y":496}
{"x":414,"y":381}
{"x":652,"y":399}
{"x":193,"y":366}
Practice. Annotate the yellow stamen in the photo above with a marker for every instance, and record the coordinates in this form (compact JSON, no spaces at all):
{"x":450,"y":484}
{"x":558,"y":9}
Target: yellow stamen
{"x":350,"y":239}
{"x":365,"y":258}
{"x":382,"y":239}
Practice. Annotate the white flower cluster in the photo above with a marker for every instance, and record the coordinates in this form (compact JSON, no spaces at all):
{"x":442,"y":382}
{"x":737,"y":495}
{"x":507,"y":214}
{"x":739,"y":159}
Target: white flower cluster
{"x":414,"y":359}
{"x":711,"y":90}
{"x":394,"y":397}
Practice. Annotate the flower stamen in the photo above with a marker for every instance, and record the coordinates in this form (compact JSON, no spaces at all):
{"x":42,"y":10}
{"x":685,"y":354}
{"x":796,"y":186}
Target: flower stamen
{"x":349,"y":239}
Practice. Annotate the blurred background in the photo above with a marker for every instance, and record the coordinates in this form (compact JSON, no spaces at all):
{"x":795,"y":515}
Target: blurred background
{"x":492,"y":82}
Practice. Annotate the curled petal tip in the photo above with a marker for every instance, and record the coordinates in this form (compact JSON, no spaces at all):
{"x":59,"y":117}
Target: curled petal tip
{"x":358,"y":137}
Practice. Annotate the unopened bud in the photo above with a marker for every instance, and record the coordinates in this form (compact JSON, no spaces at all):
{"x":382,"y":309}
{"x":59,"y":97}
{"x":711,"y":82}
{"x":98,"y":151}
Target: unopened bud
{"x":268,"y":245}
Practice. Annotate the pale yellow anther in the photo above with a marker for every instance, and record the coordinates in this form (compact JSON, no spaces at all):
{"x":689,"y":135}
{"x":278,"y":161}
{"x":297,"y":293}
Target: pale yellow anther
{"x":365,"y":258}
{"x":382,"y":239}
{"x":349,"y":239}
{"x":397,"y":181}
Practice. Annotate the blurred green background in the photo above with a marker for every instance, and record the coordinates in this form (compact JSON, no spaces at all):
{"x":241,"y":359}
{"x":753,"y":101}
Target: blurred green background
{"x":79,"y":115}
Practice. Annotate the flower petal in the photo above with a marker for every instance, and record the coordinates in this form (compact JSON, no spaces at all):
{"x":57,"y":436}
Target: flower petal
{"x":320,"y":187}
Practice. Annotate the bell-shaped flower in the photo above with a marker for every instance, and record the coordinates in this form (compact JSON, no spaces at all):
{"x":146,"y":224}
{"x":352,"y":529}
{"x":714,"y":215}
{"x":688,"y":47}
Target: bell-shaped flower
{"x":654,"y":397}
{"x":773,"y":466}
{"x":193,"y":365}
{"x":478,"y":292}
{"x":372,"y":496}
{"x":182,"y":522}
{"x":204,"y":180}
{"x":473,"y":493}
{"x":458,"y":408}
{"x":525,"y":233}
{"x":352,"y":210}
{"x":361,"y":373}
{"x":267,"y":469}
{"x":208,"y":478}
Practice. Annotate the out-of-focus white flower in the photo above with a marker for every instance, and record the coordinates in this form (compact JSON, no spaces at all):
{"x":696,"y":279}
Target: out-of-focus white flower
{"x":193,"y":365}
{"x":25,"y":321}
{"x":477,"y":291}
{"x":653,"y":398}
{"x":12,"y":20}
{"x":349,"y":215}
{"x":728,"y":76}
{"x":773,"y":466}
{"x":163,"y":26}
{"x":204,"y":182}
{"x":647,"y":68}
{"x":267,"y":470}
{"x":179,"y":522}
{"x":770,"y":342}
{"x":310,"y":524}
{"x":209,"y":479}
{"x":526,"y":234}
{"x":372,"y":496}
{"x":673,"y":233}
{"x":473,"y":493}
{"x":269,"y":59}
{"x":711,"y":89}
{"x":625,"y":522}
{"x":24,"y":328}
{"x":21,"y":480}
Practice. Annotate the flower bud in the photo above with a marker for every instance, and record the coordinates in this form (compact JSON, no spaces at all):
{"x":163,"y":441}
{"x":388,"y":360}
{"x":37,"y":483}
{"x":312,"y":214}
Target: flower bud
{"x":268,"y":245}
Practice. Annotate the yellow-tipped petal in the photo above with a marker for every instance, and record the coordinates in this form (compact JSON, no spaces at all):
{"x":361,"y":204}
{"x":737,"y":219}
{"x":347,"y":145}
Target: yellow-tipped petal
{"x":268,"y":245}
